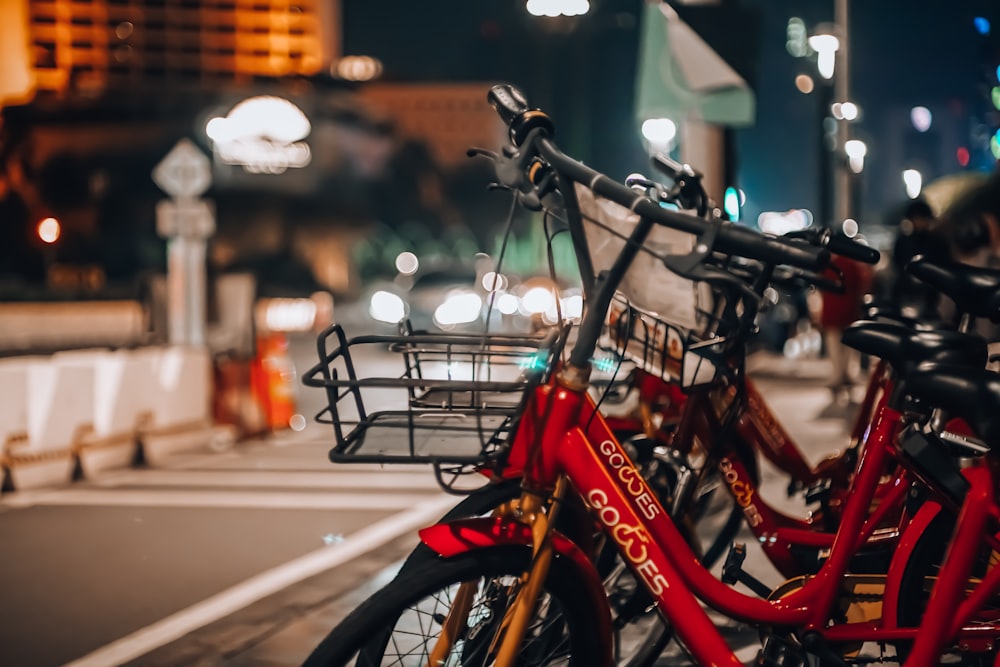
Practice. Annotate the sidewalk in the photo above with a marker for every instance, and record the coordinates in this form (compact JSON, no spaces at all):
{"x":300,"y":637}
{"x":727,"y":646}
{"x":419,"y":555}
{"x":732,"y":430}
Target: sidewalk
{"x":280,"y":631}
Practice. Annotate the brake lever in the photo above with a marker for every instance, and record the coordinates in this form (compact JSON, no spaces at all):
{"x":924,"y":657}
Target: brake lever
{"x":510,"y":171}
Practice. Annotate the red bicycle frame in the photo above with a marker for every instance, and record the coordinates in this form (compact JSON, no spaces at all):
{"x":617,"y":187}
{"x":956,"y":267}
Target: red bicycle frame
{"x":563,"y":434}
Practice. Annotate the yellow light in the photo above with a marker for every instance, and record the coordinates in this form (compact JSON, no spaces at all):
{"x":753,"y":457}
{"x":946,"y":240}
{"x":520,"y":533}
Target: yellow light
{"x":49,"y":230}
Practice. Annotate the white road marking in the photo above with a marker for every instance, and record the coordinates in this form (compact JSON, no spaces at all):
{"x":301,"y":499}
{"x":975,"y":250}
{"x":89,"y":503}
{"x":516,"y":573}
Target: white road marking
{"x":240,"y":596}
{"x":216,"y":499}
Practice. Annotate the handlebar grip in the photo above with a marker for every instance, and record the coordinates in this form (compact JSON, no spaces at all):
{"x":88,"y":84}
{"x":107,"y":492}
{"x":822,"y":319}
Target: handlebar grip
{"x":671,"y":168}
{"x":840,"y":244}
{"x":512,"y":107}
{"x":508,"y":101}
{"x":746,"y":242}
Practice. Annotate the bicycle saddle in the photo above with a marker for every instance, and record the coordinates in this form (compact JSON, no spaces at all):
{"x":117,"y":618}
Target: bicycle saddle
{"x":975,"y":290}
{"x":903,"y":348}
{"x":972,"y":394}
{"x":891,"y":315}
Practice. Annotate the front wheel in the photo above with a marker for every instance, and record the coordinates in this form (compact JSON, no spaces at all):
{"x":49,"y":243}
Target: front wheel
{"x":401,"y":623}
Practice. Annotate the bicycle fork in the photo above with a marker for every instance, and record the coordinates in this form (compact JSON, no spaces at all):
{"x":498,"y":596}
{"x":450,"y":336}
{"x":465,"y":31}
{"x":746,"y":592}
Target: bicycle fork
{"x":507,"y":642}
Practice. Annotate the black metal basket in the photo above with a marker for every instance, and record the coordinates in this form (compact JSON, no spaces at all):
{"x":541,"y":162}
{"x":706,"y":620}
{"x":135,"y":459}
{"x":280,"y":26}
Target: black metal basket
{"x":448,"y":399}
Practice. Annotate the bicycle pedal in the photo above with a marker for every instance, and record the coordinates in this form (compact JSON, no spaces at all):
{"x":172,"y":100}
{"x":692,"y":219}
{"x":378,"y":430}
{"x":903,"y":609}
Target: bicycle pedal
{"x":818,"y":492}
{"x":733,"y":566}
{"x":733,"y":572}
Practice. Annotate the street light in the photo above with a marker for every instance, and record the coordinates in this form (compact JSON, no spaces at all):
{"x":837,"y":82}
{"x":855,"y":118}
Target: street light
{"x":825,"y":45}
{"x":553,"y":8}
{"x":660,"y":133}
{"x":49,"y":230}
{"x":856,"y":151}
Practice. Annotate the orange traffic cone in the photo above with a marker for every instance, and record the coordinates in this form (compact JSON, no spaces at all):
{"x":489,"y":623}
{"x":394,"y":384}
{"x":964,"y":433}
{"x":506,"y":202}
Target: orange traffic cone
{"x":273,"y":379}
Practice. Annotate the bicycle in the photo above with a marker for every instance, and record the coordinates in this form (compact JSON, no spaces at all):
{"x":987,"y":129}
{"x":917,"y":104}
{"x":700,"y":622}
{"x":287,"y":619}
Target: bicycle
{"x":564,"y":442}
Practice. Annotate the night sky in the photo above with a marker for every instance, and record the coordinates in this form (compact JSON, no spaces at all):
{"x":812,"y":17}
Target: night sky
{"x":902,"y":54}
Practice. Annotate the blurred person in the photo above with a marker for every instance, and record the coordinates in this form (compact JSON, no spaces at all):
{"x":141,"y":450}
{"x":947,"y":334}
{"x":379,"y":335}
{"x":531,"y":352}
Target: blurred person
{"x":918,"y":235}
{"x":972,"y":224}
{"x":837,"y":311}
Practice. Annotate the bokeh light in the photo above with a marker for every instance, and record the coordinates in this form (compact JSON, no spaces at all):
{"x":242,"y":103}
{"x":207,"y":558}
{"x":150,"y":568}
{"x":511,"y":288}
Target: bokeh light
{"x":407,"y":263}
{"x":921,"y":118}
{"x":49,"y":230}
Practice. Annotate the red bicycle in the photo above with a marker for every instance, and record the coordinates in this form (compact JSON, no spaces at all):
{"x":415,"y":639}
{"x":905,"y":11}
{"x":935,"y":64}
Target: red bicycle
{"x":510,"y":588}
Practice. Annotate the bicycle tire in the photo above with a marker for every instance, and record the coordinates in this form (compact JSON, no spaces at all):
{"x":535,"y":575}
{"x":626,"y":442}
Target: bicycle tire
{"x":639,"y":640}
{"x":564,"y":630}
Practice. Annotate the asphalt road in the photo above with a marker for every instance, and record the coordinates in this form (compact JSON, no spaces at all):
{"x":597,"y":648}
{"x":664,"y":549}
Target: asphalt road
{"x":248,"y":556}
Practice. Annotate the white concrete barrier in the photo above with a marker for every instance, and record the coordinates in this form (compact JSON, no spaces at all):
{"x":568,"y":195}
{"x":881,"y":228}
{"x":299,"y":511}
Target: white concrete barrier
{"x":181,"y":417}
{"x":97,"y":408}
{"x":60,"y":412}
{"x":13,"y":407}
{"x":123,"y":400}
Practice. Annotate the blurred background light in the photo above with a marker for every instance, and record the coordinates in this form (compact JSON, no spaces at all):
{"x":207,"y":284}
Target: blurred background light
{"x":856,"y":151}
{"x":659,"y":131}
{"x":782,"y":222}
{"x":49,"y":230}
{"x":458,"y":308}
{"x":731,"y":203}
{"x":921,"y":118}
{"x":407,"y":263}
{"x":913,"y":181}
{"x":286,"y":314}
{"x":804,"y":83}
{"x":387,"y":307}
{"x":554,"y":8}
{"x":536,"y":300}
{"x":357,"y":68}
{"x":825,"y":47}
{"x":795,"y":38}
{"x":507,"y":304}
{"x":493,"y":281}
{"x":982,"y":25}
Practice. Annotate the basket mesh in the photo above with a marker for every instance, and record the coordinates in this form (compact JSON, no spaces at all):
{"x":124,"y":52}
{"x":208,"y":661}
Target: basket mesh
{"x":426,"y":398}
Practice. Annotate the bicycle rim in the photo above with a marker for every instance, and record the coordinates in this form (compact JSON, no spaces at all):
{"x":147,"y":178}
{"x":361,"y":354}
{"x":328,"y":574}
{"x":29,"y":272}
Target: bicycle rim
{"x":401,"y":623}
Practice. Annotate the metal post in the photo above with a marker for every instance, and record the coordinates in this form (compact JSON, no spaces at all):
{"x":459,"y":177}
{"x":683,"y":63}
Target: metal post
{"x":841,"y":92}
{"x":827,"y":155}
{"x":186,"y":221}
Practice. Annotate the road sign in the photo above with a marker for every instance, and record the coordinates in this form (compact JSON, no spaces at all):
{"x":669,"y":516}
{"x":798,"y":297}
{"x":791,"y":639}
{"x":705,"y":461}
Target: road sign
{"x":190,"y":218}
{"x":185,"y":172}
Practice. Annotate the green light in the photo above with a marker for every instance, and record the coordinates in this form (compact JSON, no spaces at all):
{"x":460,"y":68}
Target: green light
{"x":995,"y":96}
{"x":995,"y":146}
{"x":605,"y":364}
{"x":731,"y":203}
{"x":535,"y":362}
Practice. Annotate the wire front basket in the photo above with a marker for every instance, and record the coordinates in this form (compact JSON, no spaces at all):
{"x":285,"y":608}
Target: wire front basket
{"x":448,"y":399}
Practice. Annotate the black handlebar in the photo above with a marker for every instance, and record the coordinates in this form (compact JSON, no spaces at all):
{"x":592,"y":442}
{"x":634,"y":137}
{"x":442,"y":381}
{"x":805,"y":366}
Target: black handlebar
{"x":513,"y":109}
{"x":838,"y":244}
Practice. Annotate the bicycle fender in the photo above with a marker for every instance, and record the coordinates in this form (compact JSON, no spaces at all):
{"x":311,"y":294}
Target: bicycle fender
{"x":464,"y":535}
{"x":456,"y":537}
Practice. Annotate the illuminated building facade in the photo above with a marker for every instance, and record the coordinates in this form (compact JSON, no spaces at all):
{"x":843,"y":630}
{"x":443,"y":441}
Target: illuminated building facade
{"x":126,"y":44}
